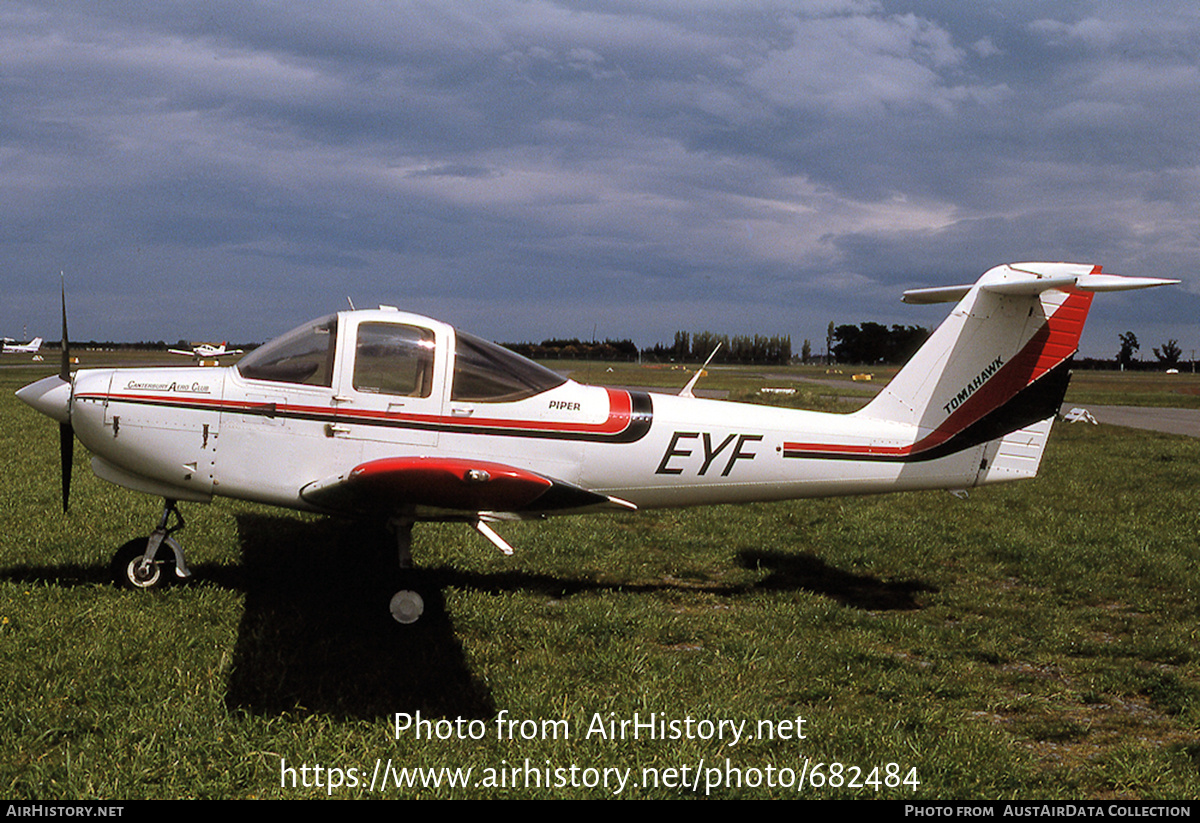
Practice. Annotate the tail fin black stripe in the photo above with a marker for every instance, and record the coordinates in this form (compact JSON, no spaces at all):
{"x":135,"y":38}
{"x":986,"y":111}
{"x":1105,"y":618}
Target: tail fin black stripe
{"x":1037,"y":401}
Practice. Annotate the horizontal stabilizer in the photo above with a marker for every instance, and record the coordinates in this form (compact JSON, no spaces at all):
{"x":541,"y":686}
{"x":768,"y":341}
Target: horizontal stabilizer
{"x":1035,"y":278}
{"x":1115,"y":282}
{"x":940,"y":294}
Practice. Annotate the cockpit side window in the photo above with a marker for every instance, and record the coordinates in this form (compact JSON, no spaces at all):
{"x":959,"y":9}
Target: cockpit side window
{"x":487,"y":373}
{"x":391,"y":358}
{"x":304,"y":355}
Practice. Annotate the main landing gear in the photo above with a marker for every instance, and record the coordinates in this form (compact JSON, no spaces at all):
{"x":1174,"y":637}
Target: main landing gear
{"x":156,"y":561}
{"x":144,"y":563}
{"x":406,"y":605}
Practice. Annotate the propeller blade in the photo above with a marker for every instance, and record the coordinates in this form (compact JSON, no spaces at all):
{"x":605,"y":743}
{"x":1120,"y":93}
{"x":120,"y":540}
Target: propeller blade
{"x":66,"y":450}
{"x":66,"y":434}
{"x":64,"y":370}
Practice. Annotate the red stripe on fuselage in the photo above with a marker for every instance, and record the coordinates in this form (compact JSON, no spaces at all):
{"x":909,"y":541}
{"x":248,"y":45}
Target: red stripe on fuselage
{"x":620,"y":414}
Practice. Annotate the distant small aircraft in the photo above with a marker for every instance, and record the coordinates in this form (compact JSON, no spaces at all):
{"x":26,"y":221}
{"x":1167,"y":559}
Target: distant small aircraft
{"x":207,"y":351}
{"x":396,"y":417}
{"x":32,"y":347}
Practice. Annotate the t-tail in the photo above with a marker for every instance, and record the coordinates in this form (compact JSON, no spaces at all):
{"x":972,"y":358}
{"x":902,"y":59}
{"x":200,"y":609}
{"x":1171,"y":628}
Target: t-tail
{"x":995,"y":372}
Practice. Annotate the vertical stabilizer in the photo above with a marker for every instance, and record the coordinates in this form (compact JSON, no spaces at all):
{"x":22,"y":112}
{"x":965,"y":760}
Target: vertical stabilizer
{"x":997,"y":368}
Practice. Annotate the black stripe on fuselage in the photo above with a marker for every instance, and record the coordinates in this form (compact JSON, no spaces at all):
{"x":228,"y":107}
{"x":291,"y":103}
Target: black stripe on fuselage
{"x":1037,"y":401}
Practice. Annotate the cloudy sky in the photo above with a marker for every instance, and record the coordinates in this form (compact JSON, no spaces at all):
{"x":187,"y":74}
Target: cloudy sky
{"x":228,"y":169}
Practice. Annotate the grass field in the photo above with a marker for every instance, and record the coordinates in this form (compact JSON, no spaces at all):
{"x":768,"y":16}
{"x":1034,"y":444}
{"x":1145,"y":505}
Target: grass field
{"x":1035,"y":640}
{"x":1135,"y":389}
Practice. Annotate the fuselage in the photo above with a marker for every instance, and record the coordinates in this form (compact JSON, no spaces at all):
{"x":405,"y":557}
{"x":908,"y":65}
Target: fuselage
{"x":192,"y":433}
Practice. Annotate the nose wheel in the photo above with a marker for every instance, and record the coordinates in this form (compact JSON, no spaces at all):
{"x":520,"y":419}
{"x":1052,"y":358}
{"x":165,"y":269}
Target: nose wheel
{"x":131,"y":570}
{"x":155,"y":561}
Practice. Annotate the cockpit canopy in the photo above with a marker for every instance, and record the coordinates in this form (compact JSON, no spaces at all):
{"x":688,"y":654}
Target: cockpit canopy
{"x":397,"y":358}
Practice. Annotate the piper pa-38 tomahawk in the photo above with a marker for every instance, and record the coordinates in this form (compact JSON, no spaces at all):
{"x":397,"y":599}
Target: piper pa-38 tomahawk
{"x":394,"y":416}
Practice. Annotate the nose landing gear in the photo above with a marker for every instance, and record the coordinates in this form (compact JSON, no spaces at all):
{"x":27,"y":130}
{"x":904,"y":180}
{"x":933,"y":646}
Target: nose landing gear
{"x":143,"y":564}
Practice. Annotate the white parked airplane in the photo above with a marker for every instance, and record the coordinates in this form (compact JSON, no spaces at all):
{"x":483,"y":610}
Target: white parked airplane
{"x":207,"y":351}
{"x":32,"y":347}
{"x":395,"y":416}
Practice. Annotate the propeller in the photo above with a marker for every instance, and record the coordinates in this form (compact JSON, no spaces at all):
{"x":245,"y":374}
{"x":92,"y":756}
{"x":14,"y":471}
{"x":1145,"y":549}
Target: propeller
{"x":66,"y":434}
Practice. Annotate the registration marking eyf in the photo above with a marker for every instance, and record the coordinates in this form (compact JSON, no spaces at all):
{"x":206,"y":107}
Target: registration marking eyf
{"x":674,"y":451}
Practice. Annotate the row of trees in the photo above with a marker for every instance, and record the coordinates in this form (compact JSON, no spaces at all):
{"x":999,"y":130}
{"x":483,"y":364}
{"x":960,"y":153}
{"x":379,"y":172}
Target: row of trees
{"x":575,"y":349}
{"x":867,"y":343}
{"x":759,"y":348}
{"x":872,"y":343}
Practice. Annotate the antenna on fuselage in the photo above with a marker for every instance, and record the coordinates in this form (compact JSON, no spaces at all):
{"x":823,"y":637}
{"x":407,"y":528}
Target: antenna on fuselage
{"x":687,"y":390}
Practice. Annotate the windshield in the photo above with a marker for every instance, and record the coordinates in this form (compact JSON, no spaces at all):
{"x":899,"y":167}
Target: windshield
{"x":303,"y":355}
{"x":487,"y":373}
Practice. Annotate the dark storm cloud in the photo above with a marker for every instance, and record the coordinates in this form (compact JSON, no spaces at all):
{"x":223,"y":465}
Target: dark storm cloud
{"x":541,"y":168}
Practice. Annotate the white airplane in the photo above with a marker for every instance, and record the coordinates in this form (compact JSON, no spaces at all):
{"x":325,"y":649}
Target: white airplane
{"x":32,"y":347}
{"x":395,"y":416}
{"x":207,"y":351}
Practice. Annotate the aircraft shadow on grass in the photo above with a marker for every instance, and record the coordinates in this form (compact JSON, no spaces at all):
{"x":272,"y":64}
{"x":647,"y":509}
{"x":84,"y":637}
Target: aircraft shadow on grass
{"x":314,"y":639}
{"x":315,"y":636}
{"x":806,"y":572}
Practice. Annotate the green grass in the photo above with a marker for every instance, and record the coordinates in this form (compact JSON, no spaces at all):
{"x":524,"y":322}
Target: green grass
{"x":1135,"y":389}
{"x":1036,"y":640}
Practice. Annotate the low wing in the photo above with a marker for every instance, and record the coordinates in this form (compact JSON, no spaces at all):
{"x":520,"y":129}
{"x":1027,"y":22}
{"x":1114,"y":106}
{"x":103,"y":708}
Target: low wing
{"x":447,"y":487}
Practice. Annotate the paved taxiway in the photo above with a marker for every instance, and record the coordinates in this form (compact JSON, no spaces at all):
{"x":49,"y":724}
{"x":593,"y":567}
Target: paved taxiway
{"x":1171,"y":421}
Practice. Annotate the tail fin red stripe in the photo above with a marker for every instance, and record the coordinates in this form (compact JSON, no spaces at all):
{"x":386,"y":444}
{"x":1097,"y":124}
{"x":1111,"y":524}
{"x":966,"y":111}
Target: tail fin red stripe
{"x":1053,"y":343}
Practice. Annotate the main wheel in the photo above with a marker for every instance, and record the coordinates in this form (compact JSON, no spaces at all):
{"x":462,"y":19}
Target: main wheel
{"x":128,"y":558}
{"x":407,"y":606}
